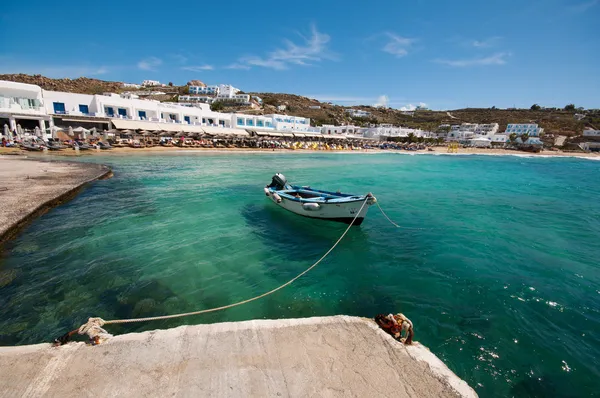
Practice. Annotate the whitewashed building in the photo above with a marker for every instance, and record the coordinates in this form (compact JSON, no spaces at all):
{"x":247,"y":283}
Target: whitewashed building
{"x":22,"y":105}
{"x":532,"y":130}
{"x":461,"y":132}
{"x":487,"y":130}
{"x":204,"y":90}
{"x":204,"y":99}
{"x":358,"y":113}
{"x":243,"y":99}
{"x":151,"y":83}
{"x":329,"y":129}
{"x":225,"y":90}
{"x":292,"y":123}
{"x":499,"y":139}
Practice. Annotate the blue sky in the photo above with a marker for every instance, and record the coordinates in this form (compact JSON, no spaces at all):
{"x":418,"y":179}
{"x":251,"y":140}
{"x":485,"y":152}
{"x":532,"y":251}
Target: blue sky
{"x":446,"y":54}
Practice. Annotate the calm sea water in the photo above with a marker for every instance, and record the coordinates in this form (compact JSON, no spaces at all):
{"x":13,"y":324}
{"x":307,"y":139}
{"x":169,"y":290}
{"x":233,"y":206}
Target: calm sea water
{"x":497,"y":263}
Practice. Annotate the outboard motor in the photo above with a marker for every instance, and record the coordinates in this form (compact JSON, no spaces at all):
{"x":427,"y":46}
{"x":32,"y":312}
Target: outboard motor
{"x":279,"y":182}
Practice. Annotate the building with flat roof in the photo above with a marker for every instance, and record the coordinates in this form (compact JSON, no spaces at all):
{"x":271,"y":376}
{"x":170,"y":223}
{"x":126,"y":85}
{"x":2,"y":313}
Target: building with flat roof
{"x":531,"y":129}
{"x":150,"y":83}
{"x":358,"y":113}
{"x":22,"y":105}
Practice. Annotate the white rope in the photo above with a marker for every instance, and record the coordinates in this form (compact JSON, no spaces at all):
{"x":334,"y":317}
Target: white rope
{"x":93,"y":327}
{"x":392,"y":222}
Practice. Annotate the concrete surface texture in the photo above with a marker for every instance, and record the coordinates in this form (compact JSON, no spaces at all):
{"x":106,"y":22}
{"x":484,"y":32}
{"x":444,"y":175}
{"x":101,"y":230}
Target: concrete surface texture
{"x":337,"y":356}
{"x":28,"y":187}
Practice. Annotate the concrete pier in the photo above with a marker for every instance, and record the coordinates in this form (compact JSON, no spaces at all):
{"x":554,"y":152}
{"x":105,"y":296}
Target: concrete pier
{"x":337,"y":356}
{"x":29,"y":187}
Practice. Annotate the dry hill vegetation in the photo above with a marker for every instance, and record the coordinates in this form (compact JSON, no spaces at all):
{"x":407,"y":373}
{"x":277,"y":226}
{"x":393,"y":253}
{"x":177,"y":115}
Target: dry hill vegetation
{"x":554,"y":121}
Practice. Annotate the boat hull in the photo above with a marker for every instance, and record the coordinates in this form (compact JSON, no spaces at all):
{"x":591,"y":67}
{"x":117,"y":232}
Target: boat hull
{"x":344,"y":212}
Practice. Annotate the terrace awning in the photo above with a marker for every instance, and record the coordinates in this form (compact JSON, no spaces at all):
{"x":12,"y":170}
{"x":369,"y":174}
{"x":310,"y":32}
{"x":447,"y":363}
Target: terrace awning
{"x":186,"y":128}
{"x":122,"y":124}
{"x":224,"y":131}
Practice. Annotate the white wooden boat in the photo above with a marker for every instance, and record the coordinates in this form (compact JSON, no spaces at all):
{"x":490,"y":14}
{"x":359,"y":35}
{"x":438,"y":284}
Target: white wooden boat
{"x":315,"y":203}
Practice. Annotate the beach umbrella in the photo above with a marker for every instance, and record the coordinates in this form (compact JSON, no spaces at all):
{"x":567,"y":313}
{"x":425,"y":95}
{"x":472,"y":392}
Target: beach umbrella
{"x":19,"y":130}
{"x":71,"y":133}
{"x":37,"y":131}
{"x":6,"y":131}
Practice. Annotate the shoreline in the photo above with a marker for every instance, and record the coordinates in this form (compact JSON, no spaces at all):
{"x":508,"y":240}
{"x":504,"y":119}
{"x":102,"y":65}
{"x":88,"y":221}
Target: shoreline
{"x":32,"y":187}
{"x":68,"y":153}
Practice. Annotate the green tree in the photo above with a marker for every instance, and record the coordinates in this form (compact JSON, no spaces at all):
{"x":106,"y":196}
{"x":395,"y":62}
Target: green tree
{"x":524,"y":137}
{"x":217,"y":106}
{"x":170,"y":84}
{"x":410,"y":138}
{"x":513,"y":137}
{"x":535,"y":107}
{"x":570,"y":107}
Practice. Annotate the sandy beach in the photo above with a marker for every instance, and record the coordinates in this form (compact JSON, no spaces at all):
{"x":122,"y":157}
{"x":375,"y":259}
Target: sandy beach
{"x":159,"y":149}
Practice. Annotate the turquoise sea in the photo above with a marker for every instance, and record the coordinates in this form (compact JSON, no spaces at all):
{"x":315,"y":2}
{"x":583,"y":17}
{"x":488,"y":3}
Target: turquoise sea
{"x":497,"y":263}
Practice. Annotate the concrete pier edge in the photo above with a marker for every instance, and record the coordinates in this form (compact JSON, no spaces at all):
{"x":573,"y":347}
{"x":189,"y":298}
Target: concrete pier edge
{"x":12,"y":230}
{"x":323,"y":356}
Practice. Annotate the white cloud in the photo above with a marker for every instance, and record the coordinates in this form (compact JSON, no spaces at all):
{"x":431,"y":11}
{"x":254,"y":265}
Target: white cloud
{"x":486,"y":43}
{"x":382,"y":101}
{"x":236,"y":65}
{"x":150,"y":63}
{"x":314,"y":49}
{"x":397,"y":45}
{"x":200,"y":68}
{"x":496,"y":59}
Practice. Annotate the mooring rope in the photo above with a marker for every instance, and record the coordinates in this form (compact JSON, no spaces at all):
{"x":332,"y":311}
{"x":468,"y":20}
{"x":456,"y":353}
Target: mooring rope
{"x":392,"y":222}
{"x":93,"y":327}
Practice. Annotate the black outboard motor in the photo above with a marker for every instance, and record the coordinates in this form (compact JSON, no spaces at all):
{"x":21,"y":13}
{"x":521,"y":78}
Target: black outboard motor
{"x":279,"y":182}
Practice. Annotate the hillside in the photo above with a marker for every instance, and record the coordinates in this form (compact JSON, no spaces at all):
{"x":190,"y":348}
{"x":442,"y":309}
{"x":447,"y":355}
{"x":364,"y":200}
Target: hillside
{"x":554,"y":121}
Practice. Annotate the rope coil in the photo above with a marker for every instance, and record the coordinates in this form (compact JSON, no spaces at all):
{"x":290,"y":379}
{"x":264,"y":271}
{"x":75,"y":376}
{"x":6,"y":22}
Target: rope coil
{"x":93,"y":327}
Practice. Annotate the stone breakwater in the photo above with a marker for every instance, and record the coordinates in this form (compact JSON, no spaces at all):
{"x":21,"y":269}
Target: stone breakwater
{"x":29,"y":187}
{"x":328,"y":356}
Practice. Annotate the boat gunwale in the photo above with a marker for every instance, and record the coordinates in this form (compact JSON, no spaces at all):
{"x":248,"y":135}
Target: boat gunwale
{"x":320,"y":199}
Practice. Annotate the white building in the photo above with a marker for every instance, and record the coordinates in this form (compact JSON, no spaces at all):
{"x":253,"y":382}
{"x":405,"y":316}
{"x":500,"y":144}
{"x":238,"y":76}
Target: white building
{"x":291,"y":123}
{"x":205,"y":99}
{"x":30,"y":106}
{"x":22,"y":105}
{"x":487,"y":130}
{"x":329,"y":129}
{"x":499,"y":139}
{"x":358,"y":113}
{"x":204,"y":90}
{"x":150,"y":83}
{"x":132,"y":85}
{"x":254,"y":122}
{"x":234,"y":98}
{"x":591,"y":133}
{"x":461,"y":132}
{"x":532,"y":130}
{"x":224,"y":90}
{"x":228,"y":90}
{"x":468,"y":131}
